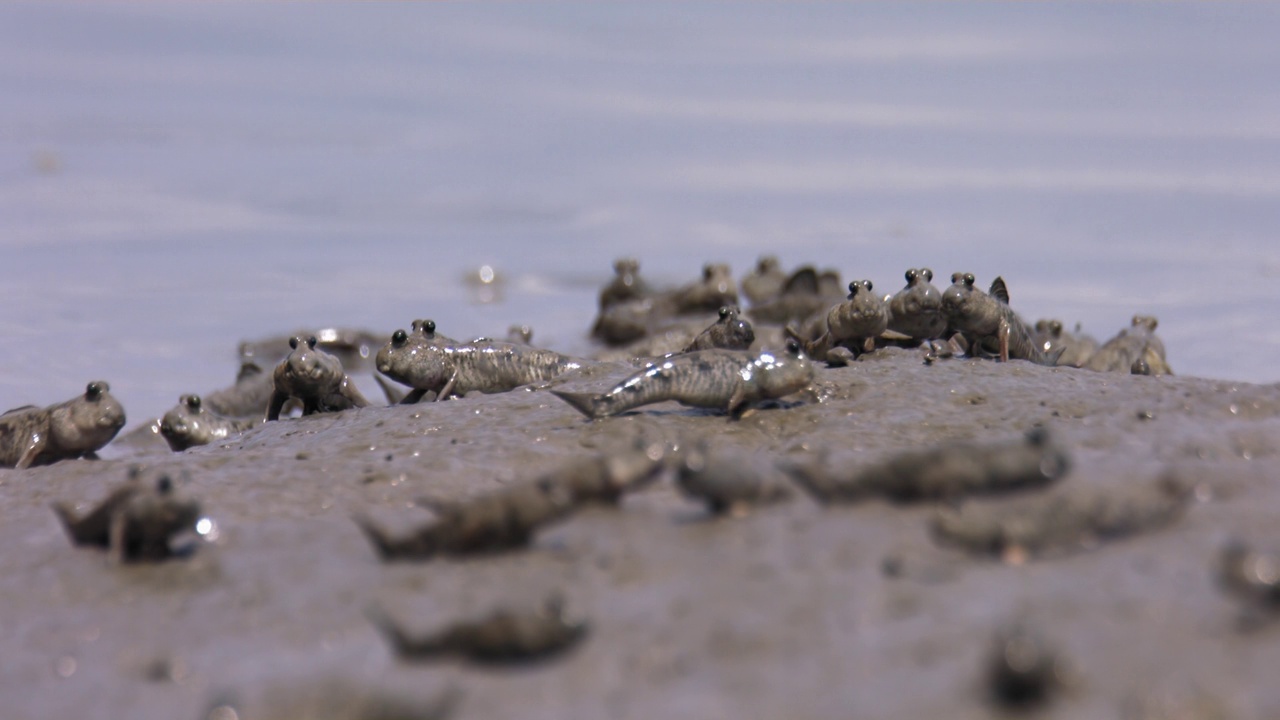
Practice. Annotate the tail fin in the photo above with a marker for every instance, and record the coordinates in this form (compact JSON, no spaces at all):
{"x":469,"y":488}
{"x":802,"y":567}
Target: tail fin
{"x":584,"y":403}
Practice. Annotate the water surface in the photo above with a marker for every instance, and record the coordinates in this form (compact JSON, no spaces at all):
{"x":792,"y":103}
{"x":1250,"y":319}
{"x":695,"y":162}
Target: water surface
{"x":175,"y":179}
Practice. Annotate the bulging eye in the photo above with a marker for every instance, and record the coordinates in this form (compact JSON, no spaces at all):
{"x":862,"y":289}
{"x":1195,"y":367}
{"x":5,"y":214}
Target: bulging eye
{"x":793,"y":347}
{"x":725,"y":312}
{"x":94,"y":389}
{"x":956,"y":277}
{"x":193,"y":402}
{"x":969,"y":279}
{"x":293,"y":343}
{"x":399,"y":337}
{"x":853,"y":288}
{"x":867,"y":285}
{"x":911,"y":275}
{"x":927,"y":274}
{"x":311,"y":342}
{"x":429,"y":327}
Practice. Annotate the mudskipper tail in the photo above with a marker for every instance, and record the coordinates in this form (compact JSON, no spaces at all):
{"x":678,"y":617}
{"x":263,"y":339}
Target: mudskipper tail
{"x":584,"y":403}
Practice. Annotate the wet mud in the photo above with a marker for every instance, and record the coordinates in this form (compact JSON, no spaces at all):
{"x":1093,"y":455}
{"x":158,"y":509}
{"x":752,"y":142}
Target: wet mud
{"x":793,"y":610}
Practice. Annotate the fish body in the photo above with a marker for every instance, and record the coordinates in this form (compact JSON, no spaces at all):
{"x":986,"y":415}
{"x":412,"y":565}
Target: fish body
{"x":988,"y":322}
{"x":916,"y":310}
{"x":853,"y":324}
{"x":135,"y":521}
{"x":730,"y":331}
{"x":1135,"y":343}
{"x":728,"y":380}
{"x":453,"y":368}
{"x":503,"y":635}
{"x":190,"y":424}
{"x":78,"y":427}
{"x":765,"y":282}
{"x":942,"y":473}
{"x":316,"y":378}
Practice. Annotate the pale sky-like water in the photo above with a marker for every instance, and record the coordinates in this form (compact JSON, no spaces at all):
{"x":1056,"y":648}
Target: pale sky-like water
{"x":176,"y":178}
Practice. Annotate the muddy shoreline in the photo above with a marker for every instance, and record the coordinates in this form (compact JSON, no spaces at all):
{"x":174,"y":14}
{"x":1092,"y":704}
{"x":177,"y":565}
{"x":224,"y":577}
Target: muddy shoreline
{"x":787,"y":612}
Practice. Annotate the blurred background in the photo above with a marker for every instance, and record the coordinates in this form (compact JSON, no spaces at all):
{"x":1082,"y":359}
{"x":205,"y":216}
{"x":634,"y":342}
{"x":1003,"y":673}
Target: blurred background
{"x":177,"y":178}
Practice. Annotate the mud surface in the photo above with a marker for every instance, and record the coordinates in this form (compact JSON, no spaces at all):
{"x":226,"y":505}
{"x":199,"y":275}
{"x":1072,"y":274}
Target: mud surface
{"x":791,"y":611}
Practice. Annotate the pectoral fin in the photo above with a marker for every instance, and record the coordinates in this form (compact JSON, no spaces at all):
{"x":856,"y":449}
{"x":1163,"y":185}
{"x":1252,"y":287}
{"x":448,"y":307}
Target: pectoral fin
{"x":448,"y":387}
{"x":277,"y":403}
{"x":35,"y":446}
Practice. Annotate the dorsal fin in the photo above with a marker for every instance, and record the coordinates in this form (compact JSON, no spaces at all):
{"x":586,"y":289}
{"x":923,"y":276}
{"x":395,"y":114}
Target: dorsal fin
{"x":999,"y":291}
{"x":804,"y":280}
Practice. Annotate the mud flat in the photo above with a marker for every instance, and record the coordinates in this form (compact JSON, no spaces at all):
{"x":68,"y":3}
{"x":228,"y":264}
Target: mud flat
{"x":793,"y":610}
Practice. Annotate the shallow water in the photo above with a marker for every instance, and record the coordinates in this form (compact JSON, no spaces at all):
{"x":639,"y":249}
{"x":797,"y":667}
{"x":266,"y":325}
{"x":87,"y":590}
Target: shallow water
{"x":176,"y":179}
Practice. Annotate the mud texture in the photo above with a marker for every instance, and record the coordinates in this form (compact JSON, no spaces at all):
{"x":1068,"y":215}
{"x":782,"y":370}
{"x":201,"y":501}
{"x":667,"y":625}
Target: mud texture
{"x":794,"y":610}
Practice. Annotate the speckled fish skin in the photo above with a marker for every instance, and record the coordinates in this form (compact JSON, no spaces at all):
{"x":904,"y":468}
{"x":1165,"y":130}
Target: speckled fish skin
{"x":190,"y":423}
{"x":314,"y":377}
{"x":727,"y":380}
{"x":729,"y":332}
{"x":850,"y":324}
{"x":459,"y":368}
{"x":984,"y":318}
{"x":504,"y":635}
{"x":916,"y":310}
{"x":78,"y":427}
{"x":944,"y":472}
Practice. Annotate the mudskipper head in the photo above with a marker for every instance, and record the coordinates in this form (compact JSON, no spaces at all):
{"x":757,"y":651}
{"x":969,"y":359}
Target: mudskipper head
{"x":89,"y":421}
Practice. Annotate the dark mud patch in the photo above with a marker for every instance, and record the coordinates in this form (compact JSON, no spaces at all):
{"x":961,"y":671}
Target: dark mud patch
{"x":793,"y":610}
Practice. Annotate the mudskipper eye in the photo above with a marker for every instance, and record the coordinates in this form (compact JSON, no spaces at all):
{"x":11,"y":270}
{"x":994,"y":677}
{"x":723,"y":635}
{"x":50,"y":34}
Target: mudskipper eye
{"x":956,"y":277}
{"x":399,"y":337}
{"x":429,"y":327}
{"x":293,"y":343}
{"x":969,"y":279}
{"x":927,"y":274}
{"x":725,"y":312}
{"x":867,"y":285}
{"x":853,"y":288}
{"x":793,"y":347}
{"x":911,"y":275}
{"x":311,"y":342}
{"x":193,"y":402}
{"x":93,"y":390}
